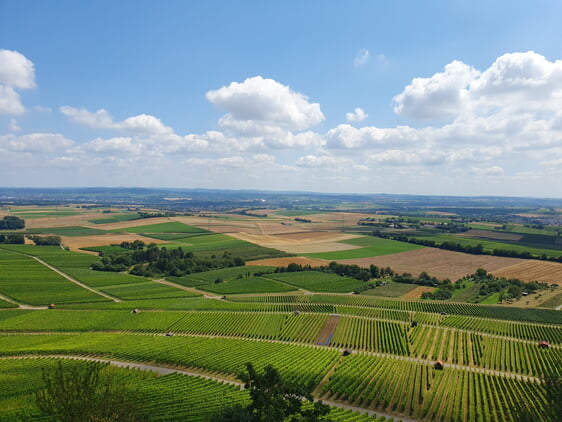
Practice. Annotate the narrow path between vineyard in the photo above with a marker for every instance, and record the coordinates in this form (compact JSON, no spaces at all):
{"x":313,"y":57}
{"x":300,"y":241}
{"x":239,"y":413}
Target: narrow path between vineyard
{"x":164,"y":370}
{"x":20,"y":305}
{"x":177,"y":286}
{"x":428,"y":362}
{"x":73,"y":280}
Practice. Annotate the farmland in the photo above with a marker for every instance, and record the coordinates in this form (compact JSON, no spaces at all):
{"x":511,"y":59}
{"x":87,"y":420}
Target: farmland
{"x":300,"y":322}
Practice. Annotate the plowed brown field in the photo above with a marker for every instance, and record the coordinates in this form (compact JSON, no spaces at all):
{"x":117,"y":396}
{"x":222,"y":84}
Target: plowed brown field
{"x":543,"y":271}
{"x":436,"y":262}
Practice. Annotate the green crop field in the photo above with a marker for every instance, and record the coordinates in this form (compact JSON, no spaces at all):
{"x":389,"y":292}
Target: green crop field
{"x":367,"y":246}
{"x":68,"y":231}
{"x":218,"y":244}
{"x":171,"y":227}
{"x":490,"y":245}
{"x":391,"y":289}
{"x":116,"y":218}
{"x":61,"y":212}
{"x":318,"y":281}
{"x":27,"y":281}
{"x":145,"y":290}
{"x":226,"y":274}
{"x":248,"y":285}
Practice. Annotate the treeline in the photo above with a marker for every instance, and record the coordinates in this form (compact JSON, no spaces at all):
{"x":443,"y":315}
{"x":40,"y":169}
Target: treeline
{"x":143,"y":214}
{"x":46,"y":240}
{"x":303,"y":220}
{"x":152,"y":261}
{"x":470,"y":249}
{"x":10,"y":222}
{"x":343,"y":270}
{"x":12,"y":239}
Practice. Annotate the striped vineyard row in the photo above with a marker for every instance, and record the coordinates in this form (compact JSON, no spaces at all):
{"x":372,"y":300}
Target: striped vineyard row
{"x":421,"y":392}
{"x":500,"y":354}
{"x":371,"y":335}
{"x":546,"y":316}
{"x":550,"y":333}
{"x":271,"y":326}
{"x":284,"y":327}
{"x":304,"y":365}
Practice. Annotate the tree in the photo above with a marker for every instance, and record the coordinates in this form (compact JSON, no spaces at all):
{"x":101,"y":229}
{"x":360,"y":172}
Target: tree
{"x":552,"y":383}
{"x":86,"y":393}
{"x":274,"y":400}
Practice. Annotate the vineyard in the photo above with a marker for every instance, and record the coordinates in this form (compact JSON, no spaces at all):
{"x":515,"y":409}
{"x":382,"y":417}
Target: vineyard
{"x":490,"y":355}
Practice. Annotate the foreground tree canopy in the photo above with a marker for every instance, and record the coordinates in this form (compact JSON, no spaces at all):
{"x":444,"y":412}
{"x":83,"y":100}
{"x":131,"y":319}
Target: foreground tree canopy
{"x":274,"y":400}
{"x":86,"y":393}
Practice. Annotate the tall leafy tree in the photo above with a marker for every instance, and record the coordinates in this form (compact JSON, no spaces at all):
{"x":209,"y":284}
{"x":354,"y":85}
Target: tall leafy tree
{"x":86,"y":393}
{"x":274,"y":400}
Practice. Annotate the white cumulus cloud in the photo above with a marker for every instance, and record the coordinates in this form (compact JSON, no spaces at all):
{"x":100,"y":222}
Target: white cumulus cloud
{"x":259,"y":104}
{"x":358,"y":115}
{"x":16,"y":72}
{"x":143,"y":124}
{"x":35,"y":142}
{"x":441,"y":95}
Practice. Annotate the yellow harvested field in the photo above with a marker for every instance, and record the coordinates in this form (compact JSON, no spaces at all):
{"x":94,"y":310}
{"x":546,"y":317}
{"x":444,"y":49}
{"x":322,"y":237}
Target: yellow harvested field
{"x":75,"y":242}
{"x":533,"y":270}
{"x":488,"y":234}
{"x":310,"y":236}
{"x":278,"y":228}
{"x":315,"y":247}
{"x":302,"y":242}
{"x":283,"y":262}
{"x":417,"y":292}
{"x":72,"y":220}
{"x":132,"y":223}
{"x":436,"y":262}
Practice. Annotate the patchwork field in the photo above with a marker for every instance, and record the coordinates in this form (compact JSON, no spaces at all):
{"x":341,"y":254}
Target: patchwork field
{"x":300,"y":322}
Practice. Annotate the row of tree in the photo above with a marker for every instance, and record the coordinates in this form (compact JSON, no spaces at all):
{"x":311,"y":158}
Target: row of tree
{"x":343,"y":270}
{"x":46,"y":240}
{"x":12,"y":239}
{"x":10,"y":222}
{"x":471,"y":249}
{"x":152,"y":261}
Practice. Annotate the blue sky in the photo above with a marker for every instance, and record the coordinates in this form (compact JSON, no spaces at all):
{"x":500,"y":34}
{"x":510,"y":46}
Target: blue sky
{"x":450,"y":97}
